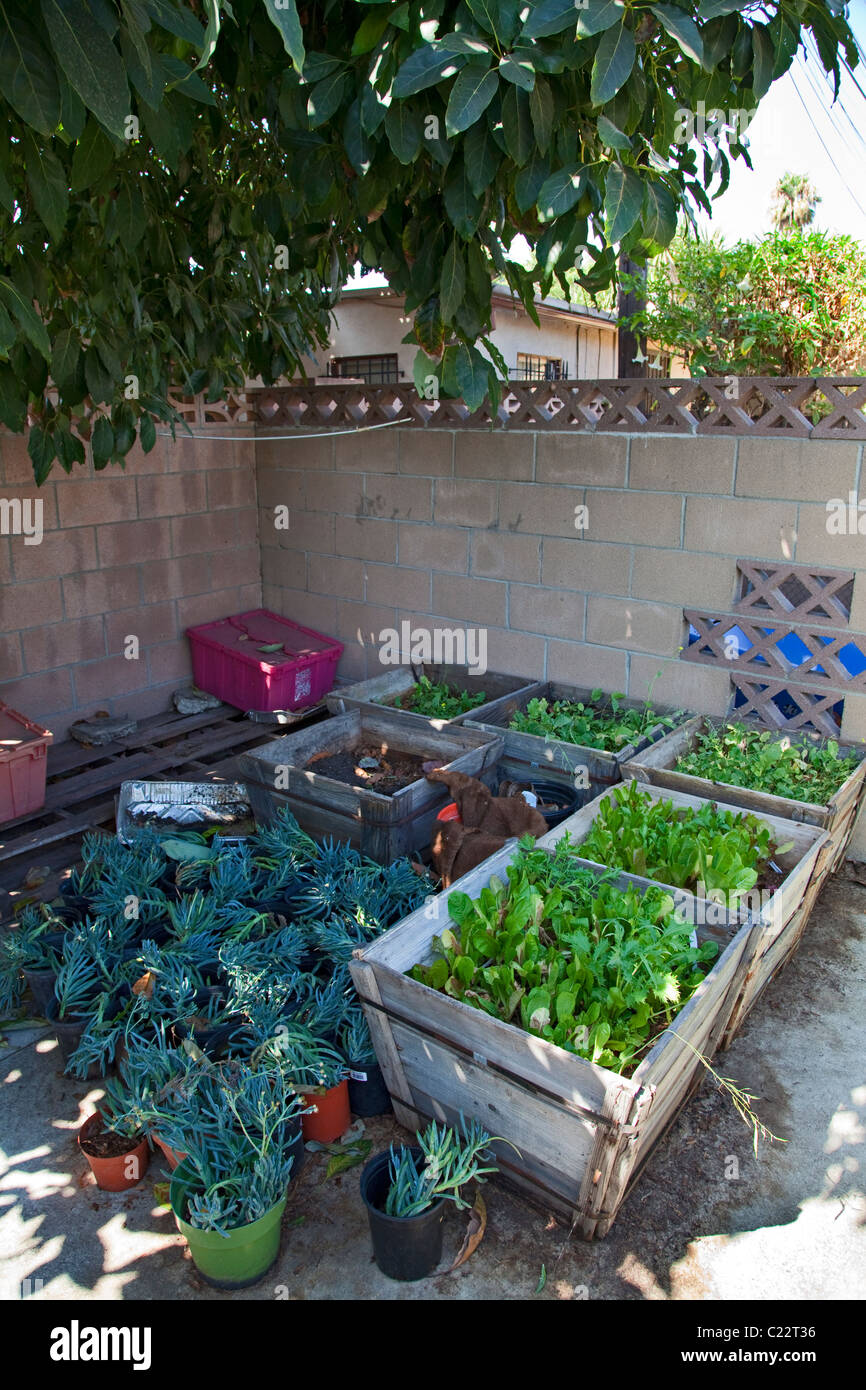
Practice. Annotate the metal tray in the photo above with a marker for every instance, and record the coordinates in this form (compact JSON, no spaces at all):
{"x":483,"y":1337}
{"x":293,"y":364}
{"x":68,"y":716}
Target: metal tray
{"x":178,"y":794}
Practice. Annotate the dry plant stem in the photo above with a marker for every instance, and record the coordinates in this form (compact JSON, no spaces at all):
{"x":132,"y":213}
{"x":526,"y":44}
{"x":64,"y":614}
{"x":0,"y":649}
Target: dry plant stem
{"x":741,"y":1100}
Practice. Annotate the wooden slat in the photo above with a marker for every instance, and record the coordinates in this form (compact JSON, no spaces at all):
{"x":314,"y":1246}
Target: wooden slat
{"x":537,"y":1127}
{"x":386,"y":688}
{"x":519,"y":1055}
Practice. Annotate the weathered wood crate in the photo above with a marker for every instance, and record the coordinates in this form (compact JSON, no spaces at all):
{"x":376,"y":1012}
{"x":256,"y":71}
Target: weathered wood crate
{"x":779,"y":919}
{"x":589,"y":768}
{"x":655,"y":765}
{"x":383,"y":827}
{"x":383,"y":690}
{"x":581,"y":1131}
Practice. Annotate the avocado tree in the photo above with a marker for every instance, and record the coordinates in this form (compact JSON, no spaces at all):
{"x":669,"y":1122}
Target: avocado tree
{"x":186,"y":185}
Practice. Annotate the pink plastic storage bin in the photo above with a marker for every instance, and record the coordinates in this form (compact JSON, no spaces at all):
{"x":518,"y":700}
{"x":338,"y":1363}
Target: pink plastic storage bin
{"x":23,"y":749}
{"x":226,"y":661}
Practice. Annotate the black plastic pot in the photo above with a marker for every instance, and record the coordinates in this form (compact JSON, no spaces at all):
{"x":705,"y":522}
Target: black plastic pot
{"x":370,"y":1097}
{"x":405,"y":1247}
{"x":214,"y":1039}
{"x":41,"y":984}
{"x":564,"y":801}
{"x":295,"y":1146}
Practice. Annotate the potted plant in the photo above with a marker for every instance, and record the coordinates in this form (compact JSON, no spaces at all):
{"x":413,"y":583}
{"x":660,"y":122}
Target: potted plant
{"x":80,"y":981}
{"x":113,"y":1140}
{"x":229,"y":1192}
{"x":318,"y":1074}
{"x":368,"y":1094}
{"x":405,"y":1191}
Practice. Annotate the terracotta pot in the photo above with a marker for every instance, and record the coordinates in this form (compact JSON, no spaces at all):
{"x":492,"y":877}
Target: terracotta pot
{"x":172,"y":1156}
{"x":114,"y":1174}
{"x":331,"y":1117}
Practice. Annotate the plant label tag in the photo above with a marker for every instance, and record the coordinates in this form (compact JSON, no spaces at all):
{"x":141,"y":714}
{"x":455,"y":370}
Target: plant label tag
{"x":693,"y":941}
{"x":357,"y":1076}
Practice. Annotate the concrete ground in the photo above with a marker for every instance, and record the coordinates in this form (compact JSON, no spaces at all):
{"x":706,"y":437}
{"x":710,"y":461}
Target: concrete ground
{"x":706,"y":1220}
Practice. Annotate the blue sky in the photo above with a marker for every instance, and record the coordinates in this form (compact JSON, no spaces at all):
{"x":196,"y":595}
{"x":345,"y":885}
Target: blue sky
{"x":783,"y":138}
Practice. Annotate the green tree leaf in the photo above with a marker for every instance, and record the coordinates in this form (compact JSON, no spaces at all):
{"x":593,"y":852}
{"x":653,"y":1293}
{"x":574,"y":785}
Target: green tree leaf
{"x":517,"y":125}
{"x":102,"y":442}
{"x":21,"y":309}
{"x":522,"y":74}
{"x":561,"y":191}
{"x":425,"y":67}
{"x":89,"y":59}
{"x":541,"y":110}
{"x":405,"y":130}
{"x":623,"y":200}
{"x":473,"y":90}
{"x":147,"y":433}
{"x":285,"y":17}
{"x":13,"y":400}
{"x":325,"y":98}
{"x":461,"y":204}
{"x":94,"y":154}
{"x":40,"y":447}
{"x":612,"y":65}
{"x":548,"y":18}
{"x":453,"y":282}
{"x":598,"y":16}
{"x":64,"y":358}
{"x":473,"y":373}
{"x":683,"y":29}
{"x":27,"y":78}
{"x":660,"y":215}
{"x":482,"y":157}
{"x":763,"y":60}
{"x":611,"y":136}
{"x":48,"y":186}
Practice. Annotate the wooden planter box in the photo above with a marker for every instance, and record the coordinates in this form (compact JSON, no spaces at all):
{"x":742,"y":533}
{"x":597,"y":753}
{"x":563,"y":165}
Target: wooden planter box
{"x":779,"y":923}
{"x":383,"y":827}
{"x":582,"y":1132}
{"x":540,"y":756}
{"x":382,"y":691}
{"x":838,"y":817}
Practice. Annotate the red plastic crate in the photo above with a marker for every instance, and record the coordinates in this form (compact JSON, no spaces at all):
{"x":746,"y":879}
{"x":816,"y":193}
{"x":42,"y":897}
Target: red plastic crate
{"x":226,"y":661}
{"x":23,"y":749}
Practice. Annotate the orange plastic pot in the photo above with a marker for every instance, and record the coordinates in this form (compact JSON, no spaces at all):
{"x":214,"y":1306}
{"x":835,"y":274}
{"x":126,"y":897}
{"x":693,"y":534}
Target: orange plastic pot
{"x":331,"y":1117}
{"x":172,"y":1156}
{"x":118,"y":1173}
{"x":449,"y":812}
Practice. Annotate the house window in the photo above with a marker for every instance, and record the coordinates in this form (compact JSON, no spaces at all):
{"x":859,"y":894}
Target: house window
{"x":659,"y":364}
{"x":531,"y":367}
{"x":376,"y":369}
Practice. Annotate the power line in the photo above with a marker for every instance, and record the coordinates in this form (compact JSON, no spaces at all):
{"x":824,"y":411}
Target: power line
{"x":827,"y":151}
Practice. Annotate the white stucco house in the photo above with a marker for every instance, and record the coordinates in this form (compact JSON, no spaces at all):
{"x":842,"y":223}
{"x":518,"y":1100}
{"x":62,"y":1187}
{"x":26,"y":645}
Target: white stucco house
{"x":573,"y":341}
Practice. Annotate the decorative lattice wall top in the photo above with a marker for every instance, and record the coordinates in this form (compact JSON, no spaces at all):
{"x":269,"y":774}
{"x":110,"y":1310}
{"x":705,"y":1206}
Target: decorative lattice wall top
{"x":795,"y":594}
{"x":779,"y":704}
{"x":786,"y":407}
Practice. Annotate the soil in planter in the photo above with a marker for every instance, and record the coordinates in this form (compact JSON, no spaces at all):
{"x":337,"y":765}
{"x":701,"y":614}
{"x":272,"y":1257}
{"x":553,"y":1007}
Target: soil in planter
{"x":107,"y":1144}
{"x":372,"y":766}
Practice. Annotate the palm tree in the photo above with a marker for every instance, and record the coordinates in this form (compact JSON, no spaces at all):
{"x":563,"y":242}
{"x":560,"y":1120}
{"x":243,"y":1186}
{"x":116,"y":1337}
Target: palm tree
{"x":794,"y":202}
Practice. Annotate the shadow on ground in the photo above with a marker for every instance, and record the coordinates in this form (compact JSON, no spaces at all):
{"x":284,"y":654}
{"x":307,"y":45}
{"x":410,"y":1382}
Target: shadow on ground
{"x":707,"y":1219}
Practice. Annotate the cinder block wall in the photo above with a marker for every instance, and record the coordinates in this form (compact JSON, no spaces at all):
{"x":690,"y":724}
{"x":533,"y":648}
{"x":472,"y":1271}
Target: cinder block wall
{"x":170,"y":541}
{"x":447,"y":527}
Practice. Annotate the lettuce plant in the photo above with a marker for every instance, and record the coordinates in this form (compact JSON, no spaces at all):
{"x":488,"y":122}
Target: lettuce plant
{"x":723,"y":850}
{"x":761,"y":760}
{"x":563,"y":953}
{"x":601,"y":722}
{"x":439,"y":700}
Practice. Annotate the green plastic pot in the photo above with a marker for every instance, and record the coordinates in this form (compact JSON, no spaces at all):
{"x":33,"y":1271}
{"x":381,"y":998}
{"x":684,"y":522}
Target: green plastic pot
{"x":237,"y":1260}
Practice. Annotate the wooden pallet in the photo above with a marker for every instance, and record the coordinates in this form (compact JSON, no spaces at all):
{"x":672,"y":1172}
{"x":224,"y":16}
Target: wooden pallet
{"x":82,"y":783}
